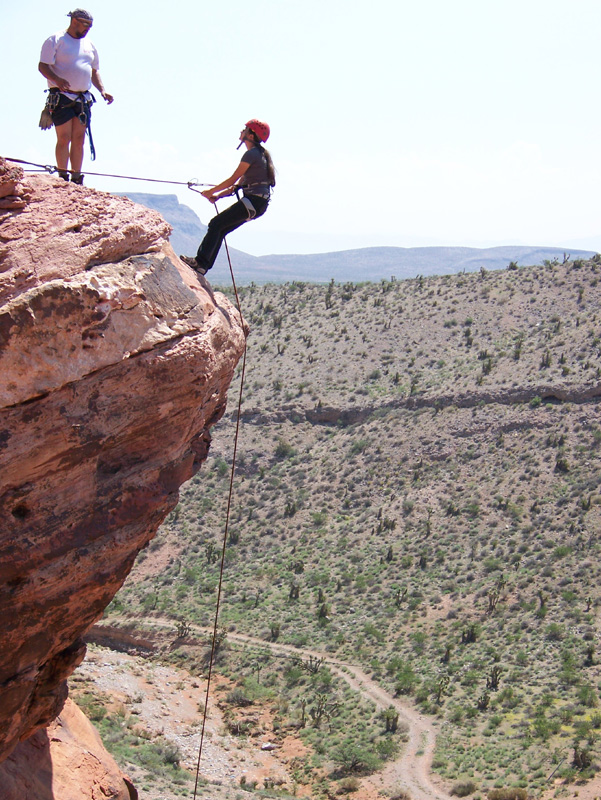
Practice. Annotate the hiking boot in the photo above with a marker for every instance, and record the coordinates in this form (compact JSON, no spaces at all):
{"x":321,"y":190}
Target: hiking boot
{"x":192,"y":262}
{"x":77,"y":177}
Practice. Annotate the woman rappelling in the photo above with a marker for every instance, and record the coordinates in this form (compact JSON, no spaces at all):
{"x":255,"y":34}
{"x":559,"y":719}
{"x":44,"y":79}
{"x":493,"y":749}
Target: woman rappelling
{"x":254,"y":178}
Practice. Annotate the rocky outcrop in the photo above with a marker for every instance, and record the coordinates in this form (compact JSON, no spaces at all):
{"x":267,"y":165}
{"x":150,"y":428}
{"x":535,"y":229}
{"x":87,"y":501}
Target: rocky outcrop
{"x":12,"y":191}
{"x":354,"y":415}
{"x":115,"y":363}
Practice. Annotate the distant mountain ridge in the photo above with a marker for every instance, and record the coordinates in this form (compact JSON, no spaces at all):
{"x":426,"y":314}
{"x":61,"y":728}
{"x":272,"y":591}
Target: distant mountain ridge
{"x":362,"y":264}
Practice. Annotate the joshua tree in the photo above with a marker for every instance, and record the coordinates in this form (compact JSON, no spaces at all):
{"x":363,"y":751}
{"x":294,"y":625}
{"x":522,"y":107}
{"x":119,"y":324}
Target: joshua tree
{"x":442,"y":687}
{"x":493,"y":598}
{"x":391,"y":719}
{"x":469,"y":636}
{"x":312,"y":664}
{"x":323,"y":710}
{"x":494,"y":595}
{"x":183,"y":629}
{"x":400,"y":595}
{"x":492,"y":682}
{"x":582,"y":758}
{"x":211,"y":553}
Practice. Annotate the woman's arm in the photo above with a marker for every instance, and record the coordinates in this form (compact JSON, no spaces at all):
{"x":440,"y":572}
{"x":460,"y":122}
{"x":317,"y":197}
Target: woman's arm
{"x":224,"y":188}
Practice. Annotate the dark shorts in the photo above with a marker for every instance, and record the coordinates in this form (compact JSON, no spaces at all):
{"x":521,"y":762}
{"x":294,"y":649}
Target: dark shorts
{"x":66,"y":109}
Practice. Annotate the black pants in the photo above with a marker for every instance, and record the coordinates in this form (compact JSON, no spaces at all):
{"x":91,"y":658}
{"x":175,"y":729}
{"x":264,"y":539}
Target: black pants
{"x":224,"y":223}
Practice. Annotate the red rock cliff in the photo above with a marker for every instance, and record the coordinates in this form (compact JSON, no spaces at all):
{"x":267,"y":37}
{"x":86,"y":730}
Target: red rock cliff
{"x":114,"y":364}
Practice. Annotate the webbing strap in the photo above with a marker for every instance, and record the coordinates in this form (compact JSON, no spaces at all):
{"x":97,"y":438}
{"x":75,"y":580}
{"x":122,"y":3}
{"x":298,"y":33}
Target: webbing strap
{"x":252,"y":211}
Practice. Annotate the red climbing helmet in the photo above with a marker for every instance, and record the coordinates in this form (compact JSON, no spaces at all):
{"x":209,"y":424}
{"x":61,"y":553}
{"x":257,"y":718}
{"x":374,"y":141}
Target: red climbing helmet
{"x":260,"y":129}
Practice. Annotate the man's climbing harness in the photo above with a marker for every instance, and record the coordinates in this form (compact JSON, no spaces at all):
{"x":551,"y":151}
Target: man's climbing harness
{"x":81,"y":105}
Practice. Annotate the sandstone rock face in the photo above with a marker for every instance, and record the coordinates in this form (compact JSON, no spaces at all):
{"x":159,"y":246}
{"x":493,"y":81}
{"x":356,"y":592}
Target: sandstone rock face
{"x":115,"y":362}
{"x":66,"y":760}
{"x":65,"y":229}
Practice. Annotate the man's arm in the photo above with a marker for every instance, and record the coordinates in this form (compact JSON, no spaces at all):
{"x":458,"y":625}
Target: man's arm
{"x":97,"y":81}
{"x":47,"y":71}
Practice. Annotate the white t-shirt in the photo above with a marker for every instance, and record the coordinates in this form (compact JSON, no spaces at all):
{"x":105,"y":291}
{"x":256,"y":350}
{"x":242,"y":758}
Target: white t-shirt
{"x":72,"y":59}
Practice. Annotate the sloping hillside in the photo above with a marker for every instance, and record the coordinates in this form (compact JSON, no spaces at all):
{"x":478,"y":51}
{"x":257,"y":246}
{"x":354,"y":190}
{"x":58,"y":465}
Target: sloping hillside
{"x":417,"y":492}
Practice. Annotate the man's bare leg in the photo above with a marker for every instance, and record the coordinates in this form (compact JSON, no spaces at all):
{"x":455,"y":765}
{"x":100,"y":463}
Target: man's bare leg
{"x":78,"y":138}
{"x":63,"y":144}
{"x":70,"y":140}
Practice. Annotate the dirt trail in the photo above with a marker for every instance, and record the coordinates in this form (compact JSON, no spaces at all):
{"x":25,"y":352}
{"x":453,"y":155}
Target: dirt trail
{"x":411,"y":771}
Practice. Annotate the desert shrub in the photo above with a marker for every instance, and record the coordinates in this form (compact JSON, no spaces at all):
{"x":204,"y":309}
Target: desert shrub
{"x":221,"y":466}
{"x":352,"y":757}
{"x":587,"y":696}
{"x":555,"y":632}
{"x":238,"y":697}
{"x":284,"y":450}
{"x":347,"y":785}
{"x":406,"y":679}
{"x":168,"y":752}
{"x":508,"y":794}
{"x":93,"y":708}
{"x":463,"y":788}
{"x":359,"y":446}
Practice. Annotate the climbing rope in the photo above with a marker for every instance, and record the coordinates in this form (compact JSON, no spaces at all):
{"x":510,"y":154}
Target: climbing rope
{"x":226,"y":529}
{"x":51,"y":169}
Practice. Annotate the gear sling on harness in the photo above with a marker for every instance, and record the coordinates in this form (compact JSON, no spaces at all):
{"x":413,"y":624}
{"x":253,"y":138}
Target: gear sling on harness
{"x":247,"y":203}
{"x":82,"y":106}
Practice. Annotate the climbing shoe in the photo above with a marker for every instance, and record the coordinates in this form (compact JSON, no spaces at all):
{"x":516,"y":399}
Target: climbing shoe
{"x":192,"y":262}
{"x":62,"y":173}
{"x":77,"y":177}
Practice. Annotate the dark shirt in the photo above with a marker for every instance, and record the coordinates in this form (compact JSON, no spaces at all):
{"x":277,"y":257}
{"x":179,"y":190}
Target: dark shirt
{"x":256,"y":177}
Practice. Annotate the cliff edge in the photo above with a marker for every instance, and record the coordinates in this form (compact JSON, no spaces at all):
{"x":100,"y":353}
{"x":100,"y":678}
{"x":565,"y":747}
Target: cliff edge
{"x":115,"y":363}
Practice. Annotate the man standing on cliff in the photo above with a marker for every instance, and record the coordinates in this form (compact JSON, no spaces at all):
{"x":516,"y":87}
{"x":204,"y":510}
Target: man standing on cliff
{"x":70,"y":64}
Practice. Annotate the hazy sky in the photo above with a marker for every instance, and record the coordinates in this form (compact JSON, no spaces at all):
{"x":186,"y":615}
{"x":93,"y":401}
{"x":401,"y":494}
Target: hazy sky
{"x":451,"y":122}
